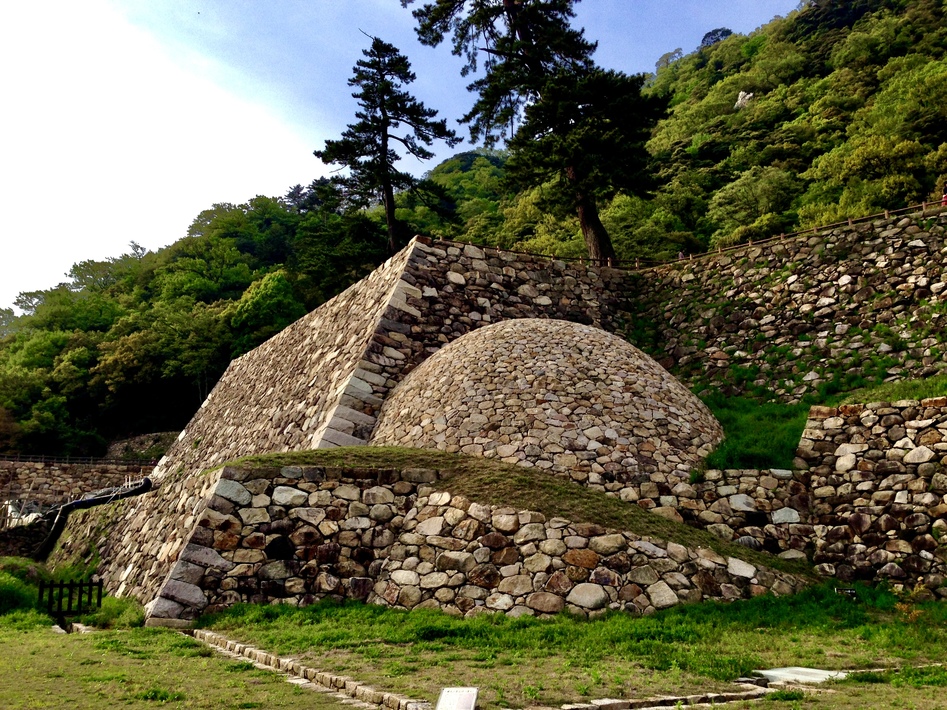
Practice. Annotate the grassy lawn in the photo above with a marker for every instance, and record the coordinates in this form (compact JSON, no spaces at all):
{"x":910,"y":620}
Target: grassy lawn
{"x":524,"y":662}
{"x":131,"y":668}
{"x":766,"y":434}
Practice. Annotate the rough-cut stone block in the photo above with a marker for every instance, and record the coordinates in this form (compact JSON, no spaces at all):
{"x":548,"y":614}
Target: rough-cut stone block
{"x":233,"y":491}
{"x":588,"y":596}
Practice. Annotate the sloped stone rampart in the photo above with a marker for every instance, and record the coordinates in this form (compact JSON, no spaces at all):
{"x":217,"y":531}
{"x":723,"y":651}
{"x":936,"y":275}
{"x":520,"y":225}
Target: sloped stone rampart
{"x":321,"y":381}
{"x":54,"y":483}
{"x":137,"y":539}
{"x":866,"y":300}
{"x":563,"y":397}
{"x":297,"y":534}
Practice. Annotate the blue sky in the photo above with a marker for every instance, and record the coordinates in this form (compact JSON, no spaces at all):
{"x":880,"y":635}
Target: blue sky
{"x":123,"y":119}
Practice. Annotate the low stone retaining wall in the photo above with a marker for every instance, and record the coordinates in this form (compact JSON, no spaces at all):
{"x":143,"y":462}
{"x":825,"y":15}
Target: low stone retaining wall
{"x":878,"y":486}
{"x":55,"y":483}
{"x":297,"y":534}
{"x":868,"y":499}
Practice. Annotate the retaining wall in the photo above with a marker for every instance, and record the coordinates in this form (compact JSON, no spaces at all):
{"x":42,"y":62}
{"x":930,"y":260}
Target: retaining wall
{"x":55,"y":483}
{"x":867,"y":300}
{"x":297,"y":534}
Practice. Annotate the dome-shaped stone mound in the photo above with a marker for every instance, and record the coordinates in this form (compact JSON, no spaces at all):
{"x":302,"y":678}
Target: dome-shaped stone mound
{"x":560,"y":396}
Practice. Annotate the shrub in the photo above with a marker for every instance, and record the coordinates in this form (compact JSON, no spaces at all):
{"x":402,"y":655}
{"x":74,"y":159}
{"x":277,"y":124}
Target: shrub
{"x":15,"y":594}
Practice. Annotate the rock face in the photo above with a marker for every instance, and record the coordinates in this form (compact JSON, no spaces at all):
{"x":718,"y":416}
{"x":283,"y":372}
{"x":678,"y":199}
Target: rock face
{"x":563,"y":397}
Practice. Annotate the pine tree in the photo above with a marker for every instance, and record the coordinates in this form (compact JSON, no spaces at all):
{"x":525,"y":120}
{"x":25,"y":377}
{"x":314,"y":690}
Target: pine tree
{"x":539,"y":71}
{"x":367,"y":146}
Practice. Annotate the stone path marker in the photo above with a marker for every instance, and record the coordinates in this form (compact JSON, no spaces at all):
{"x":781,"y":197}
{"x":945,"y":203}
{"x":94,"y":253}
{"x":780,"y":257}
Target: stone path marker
{"x":457,"y":699}
{"x":797,"y":674}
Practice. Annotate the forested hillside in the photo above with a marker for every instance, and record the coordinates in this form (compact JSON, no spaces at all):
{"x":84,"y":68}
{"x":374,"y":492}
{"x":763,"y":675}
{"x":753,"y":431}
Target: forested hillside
{"x":848,"y":116}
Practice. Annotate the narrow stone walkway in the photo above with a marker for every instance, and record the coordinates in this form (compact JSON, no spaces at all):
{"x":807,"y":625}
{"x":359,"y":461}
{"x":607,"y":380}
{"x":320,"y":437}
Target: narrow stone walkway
{"x":351,"y":691}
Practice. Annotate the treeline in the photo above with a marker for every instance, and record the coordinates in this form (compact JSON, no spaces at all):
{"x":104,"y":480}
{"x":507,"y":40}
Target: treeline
{"x":848,"y":116}
{"x":843,"y":114}
{"x":135,"y":343}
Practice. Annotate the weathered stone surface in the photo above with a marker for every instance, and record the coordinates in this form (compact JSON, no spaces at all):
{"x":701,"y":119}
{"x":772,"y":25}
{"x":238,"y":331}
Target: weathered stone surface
{"x":739,"y":568}
{"x":564,"y":364}
{"x":233,"y":491}
{"x":588,"y":596}
{"x":785,"y":515}
{"x":607,"y":544}
{"x":290,"y":497}
{"x":188,"y":595}
{"x":545,"y":602}
{"x":662,"y":596}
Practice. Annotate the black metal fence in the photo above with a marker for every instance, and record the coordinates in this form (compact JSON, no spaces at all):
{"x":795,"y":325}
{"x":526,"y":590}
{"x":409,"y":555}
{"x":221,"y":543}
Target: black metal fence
{"x":62,"y":599}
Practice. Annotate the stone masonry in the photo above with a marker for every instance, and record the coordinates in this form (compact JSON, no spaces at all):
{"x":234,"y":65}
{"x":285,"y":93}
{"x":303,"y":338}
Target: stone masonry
{"x":53,"y":483}
{"x":792,"y":315}
{"x":297,"y":534}
{"x":789,"y":316}
{"x":563,"y":397}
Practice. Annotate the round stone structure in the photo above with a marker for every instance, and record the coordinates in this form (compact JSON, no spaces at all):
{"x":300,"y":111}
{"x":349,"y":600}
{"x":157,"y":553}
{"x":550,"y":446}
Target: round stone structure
{"x":568,"y":398}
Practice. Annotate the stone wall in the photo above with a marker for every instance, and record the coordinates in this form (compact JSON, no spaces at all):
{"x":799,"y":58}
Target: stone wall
{"x":297,"y":534}
{"x":322,"y":380}
{"x":788,"y":316}
{"x":867,"y":500}
{"x":563,"y":397}
{"x":137,"y":539}
{"x":878,"y":486}
{"x":54,"y":483}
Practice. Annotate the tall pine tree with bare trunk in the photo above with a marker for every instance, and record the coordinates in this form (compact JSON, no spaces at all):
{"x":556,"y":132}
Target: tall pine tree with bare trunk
{"x":388,"y":117}
{"x":567,"y":120}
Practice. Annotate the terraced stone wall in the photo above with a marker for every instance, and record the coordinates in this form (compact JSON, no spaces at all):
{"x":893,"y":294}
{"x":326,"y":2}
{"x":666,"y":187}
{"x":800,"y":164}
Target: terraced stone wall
{"x":55,"y":483}
{"x":297,"y":534}
{"x":867,"y":499}
{"x":868,"y":301}
{"x":878,"y":486}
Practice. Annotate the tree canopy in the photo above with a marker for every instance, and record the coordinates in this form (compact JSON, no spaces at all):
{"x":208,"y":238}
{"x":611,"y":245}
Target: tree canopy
{"x":582,"y":129}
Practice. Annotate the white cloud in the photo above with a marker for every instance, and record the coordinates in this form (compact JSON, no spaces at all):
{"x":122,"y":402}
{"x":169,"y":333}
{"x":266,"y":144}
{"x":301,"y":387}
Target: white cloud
{"x":106,"y":138}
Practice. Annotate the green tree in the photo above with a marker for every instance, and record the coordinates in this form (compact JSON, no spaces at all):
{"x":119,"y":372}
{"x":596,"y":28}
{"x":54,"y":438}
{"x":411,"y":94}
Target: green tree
{"x":535,"y":60}
{"x":367,"y":146}
{"x":588,"y":134}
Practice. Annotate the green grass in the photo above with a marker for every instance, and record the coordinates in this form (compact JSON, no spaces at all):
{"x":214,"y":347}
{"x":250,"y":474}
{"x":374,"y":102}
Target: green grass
{"x":765,"y":434}
{"x":136,"y":669}
{"x":902,"y":677}
{"x":528,"y":661}
{"x":758,"y":435}
{"x":496,"y":483}
{"x":19,"y":581}
{"x":894,"y":391}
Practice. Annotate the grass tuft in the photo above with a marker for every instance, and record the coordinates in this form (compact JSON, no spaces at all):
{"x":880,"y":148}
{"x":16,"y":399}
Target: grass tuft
{"x":758,"y":435}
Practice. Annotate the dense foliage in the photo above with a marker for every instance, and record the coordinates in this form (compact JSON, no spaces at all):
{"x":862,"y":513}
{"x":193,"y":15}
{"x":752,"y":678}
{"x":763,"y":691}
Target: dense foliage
{"x":134,"y":343}
{"x":848,"y":116}
{"x":575,"y":128}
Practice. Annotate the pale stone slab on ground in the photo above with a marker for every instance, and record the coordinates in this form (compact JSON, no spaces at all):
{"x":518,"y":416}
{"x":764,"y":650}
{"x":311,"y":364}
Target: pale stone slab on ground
{"x":798,"y":674}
